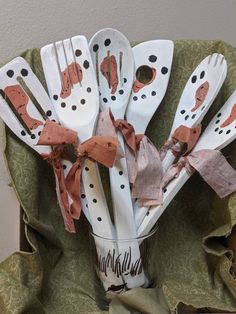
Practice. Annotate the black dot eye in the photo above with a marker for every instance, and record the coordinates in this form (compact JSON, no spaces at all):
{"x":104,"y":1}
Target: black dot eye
{"x":202,"y":74}
{"x":104,"y":100}
{"x":165,"y":189}
{"x":125,"y":80}
{"x":122,"y":186}
{"x":64,"y":167}
{"x":99,"y":219}
{"x":86,"y":64}
{"x":63,"y":104}
{"x":107,"y":42}
{"x":89,"y":89}
{"x":228,"y":131}
{"x":23,"y":133}
{"x":217,"y":121}
{"x":194,"y":79}
{"x":91,"y":185}
{"x":24,"y":72}
{"x":152,"y":58}
{"x":186,"y":118}
{"x":193,"y":116}
{"x":78,"y":52}
{"x":95,"y":48}
{"x":216,"y":129}
{"x":94,"y":200}
{"x":10,"y":73}
{"x":143,"y":96}
{"x":219,"y":114}
{"x":33,"y":136}
{"x":164,"y":70}
{"x":120,"y":173}
{"x":82,"y":101}
{"x":154,"y":93}
{"x":113,"y":97}
{"x":73,"y":107}
{"x":121,"y":92}
{"x":182,"y":111}
{"x":221,"y":131}
{"x":49,"y":113}
{"x":86,"y":168}
{"x":83,"y":196}
{"x":135,"y":98}
{"x":55,"y":97}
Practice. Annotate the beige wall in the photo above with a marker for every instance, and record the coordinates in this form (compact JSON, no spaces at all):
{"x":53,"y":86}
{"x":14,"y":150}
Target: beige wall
{"x":33,"y":23}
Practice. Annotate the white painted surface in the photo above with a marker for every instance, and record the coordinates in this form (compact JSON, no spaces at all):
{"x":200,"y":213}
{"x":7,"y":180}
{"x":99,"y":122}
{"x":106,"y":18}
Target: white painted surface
{"x":34,"y":23}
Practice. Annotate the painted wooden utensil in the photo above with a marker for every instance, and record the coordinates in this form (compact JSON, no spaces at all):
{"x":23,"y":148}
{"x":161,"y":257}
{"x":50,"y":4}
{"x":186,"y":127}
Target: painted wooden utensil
{"x":153,"y":61}
{"x":112,"y":56}
{"x":73,"y":90}
{"x":193,"y":106}
{"x":220,"y":132}
{"x":23,"y":116}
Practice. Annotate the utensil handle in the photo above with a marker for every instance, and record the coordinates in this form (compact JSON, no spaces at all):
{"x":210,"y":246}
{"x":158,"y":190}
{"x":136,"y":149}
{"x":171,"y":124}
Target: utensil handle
{"x":168,"y":161}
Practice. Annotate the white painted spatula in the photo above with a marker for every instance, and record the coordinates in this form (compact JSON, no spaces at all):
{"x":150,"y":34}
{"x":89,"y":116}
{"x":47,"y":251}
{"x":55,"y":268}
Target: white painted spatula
{"x":112,"y":56}
{"x":220,"y":132}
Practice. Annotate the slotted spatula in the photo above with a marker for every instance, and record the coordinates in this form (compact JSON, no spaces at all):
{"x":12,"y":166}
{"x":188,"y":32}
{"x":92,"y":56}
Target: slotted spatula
{"x":220,"y":132}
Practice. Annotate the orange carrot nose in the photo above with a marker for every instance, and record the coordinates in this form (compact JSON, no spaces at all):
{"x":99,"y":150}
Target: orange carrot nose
{"x":108,"y":68}
{"x":231,"y":117}
{"x":137,"y":86}
{"x":200,"y":95}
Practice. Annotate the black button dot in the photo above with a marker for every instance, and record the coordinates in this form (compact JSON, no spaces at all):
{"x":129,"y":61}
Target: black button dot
{"x":182,"y":111}
{"x":219,"y":114}
{"x":152,"y":58}
{"x":107,"y":42}
{"x":95,"y":48}
{"x":125,"y":80}
{"x":23,"y":133}
{"x":203,"y":108}
{"x":55,"y":97}
{"x":154,"y":93}
{"x":217,"y":121}
{"x":164,"y":70}
{"x":63,"y":104}
{"x":120,"y":173}
{"x":121,"y":92}
{"x":94,"y":200}
{"x":143,"y":96}
{"x":165,"y":189}
{"x":24,"y":72}
{"x":89,"y":89}
{"x":78,"y":52}
{"x":64,"y":167}
{"x":99,"y":219}
{"x":86,"y":64}
{"x":91,"y":186}
{"x":148,"y":212}
{"x":33,"y":136}
{"x":228,"y":131}
{"x":104,"y":100}
{"x":194,"y":79}
{"x":122,"y":186}
{"x":216,"y":129}
{"x":193,"y":116}
{"x":73,"y":107}
{"x":86,"y":168}
{"x":10,"y":73}
{"x":49,"y":113}
{"x":135,"y":98}
{"x":113,"y":97}
{"x":221,"y":131}
{"x":82,"y":101}
{"x":186,"y":118}
{"x":83,"y":196}
{"x":202,"y":74}
{"x":86,"y":205}
{"x":39,"y":133}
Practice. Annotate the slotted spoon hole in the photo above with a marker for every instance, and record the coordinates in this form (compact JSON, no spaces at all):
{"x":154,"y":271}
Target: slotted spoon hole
{"x":144,"y":74}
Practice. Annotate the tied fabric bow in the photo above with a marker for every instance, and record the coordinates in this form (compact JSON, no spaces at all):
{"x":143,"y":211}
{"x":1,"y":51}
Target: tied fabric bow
{"x":213,"y":168}
{"x":143,"y":160}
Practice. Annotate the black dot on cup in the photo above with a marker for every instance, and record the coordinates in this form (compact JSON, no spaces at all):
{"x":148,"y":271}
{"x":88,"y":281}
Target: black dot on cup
{"x":24,"y":72}
{"x":23,"y":133}
{"x":113,"y":97}
{"x":186,"y":118}
{"x":89,"y":89}
{"x":164,"y":70}
{"x":86,"y":64}
{"x":121,"y":92}
{"x":217,"y":121}
{"x":194,"y":79}
{"x":152,"y":58}
{"x":154,"y":93}
{"x":73,"y":107}
{"x":55,"y":97}
{"x":63,"y":104}
{"x":193,"y":116}
{"x":95,"y":48}
{"x":82,"y":101}
{"x":219,"y":114}
{"x":83,"y":196}
{"x":125,"y":80}
{"x":120,"y":173}
{"x":135,"y":98}
{"x":10,"y":73}
{"x":143,"y":96}
{"x":122,"y":186}
{"x":105,"y":100}
{"x":39,"y":133}
{"x":217,"y":129}
{"x":202,"y":74}
{"x":33,"y":136}
{"x":182,"y":111}
{"x":49,"y":113}
{"x":86,"y":168}
{"x":99,"y":219}
{"x":94,"y":200}
{"x":228,"y":131}
{"x":78,"y":52}
{"x":107,"y":42}
{"x":91,"y":186}
{"x":221,"y":131}
{"x":64,"y":167}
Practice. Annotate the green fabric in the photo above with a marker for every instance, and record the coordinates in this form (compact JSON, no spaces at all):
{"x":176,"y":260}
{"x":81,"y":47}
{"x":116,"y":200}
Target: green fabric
{"x":188,"y":262}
